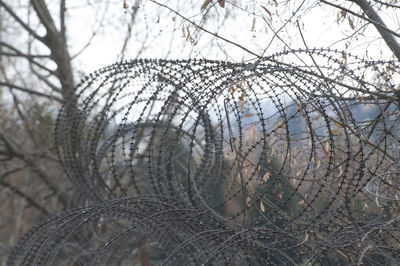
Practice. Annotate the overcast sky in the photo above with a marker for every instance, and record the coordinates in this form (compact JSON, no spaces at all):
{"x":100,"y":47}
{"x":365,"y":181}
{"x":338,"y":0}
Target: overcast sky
{"x":160,"y":32}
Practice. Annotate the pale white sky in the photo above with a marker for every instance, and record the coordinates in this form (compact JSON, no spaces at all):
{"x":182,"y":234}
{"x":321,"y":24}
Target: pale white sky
{"x":160,"y":31}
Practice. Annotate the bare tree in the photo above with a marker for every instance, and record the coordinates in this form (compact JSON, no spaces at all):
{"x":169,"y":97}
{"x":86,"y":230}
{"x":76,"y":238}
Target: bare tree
{"x":38,"y":73}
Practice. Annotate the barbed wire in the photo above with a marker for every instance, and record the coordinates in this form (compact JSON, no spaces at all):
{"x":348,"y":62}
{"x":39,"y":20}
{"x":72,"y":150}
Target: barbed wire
{"x":293,"y":159}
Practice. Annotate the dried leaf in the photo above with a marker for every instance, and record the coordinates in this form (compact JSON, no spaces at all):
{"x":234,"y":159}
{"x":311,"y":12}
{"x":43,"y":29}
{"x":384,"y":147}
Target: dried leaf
{"x":254,"y":133}
{"x":188,"y":32}
{"x":318,"y":164}
{"x":262,"y":208}
{"x":158,"y":19}
{"x":340,"y":171}
{"x":183,"y":31}
{"x":205,"y":4}
{"x":253,"y":26}
{"x":351,"y":23}
{"x":279,"y":124}
{"x":266,"y":176}
{"x":248,"y":115}
{"x":338,"y":125}
{"x":248,"y":201}
{"x":221,"y":3}
{"x":125,"y":5}
{"x":229,"y":186}
{"x":344,"y":56}
{"x":266,"y":10}
{"x":305,"y":239}
{"x":316,"y":117}
{"x":343,"y":13}
{"x":241,"y":100}
{"x":302,"y":203}
{"x":327,"y":146}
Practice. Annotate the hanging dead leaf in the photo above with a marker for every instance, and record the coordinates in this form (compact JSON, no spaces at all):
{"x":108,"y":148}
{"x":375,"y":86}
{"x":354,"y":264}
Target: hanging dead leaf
{"x":253,"y":26}
{"x":241,"y":101}
{"x":351,"y":23}
{"x":279,"y":124}
{"x":205,"y":4}
{"x":327,"y":147}
{"x":248,"y":201}
{"x":188,"y":32}
{"x":305,"y":239}
{"x":221,"y":3}
{"x":266,"y":10}
{"x":344,"y":56}
{"x":302,"y":203}
{"x":338,"y":125}
{"x":343,"y":13}
{"x":248,"y":115}
{"x":316,"y":117}
{"x":262,"y":208}
{"x":229,"y":186}
{"x":158,"y":19}
{"x":125,"y":5}
{"x":254,"y":133}
{"x":340,"y":171}
{"x":298,"y":106}
{"x":183,"y":31}
{"x":266,"y":176}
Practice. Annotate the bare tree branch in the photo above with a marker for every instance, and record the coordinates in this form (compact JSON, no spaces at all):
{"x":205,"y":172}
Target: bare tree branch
{"x":28,"y":57}
{"x":13,"y":86}
{"x":207,"y":31}
{"x":386,"y":34}
{"x":19,"y":20}
{"x":22,"y":194}
{"x":374,"y":18}
{"x":14,"y":150}
{"x":62,"y":20}
{"x":57,"y":44}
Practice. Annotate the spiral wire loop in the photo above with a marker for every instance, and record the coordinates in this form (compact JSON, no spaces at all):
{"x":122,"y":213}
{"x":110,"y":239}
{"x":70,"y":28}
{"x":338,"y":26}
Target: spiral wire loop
{"x":291,"y":160}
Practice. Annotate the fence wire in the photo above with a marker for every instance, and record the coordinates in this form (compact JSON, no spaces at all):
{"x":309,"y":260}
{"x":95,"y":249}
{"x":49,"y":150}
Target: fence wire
{"x":291,"y":159}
